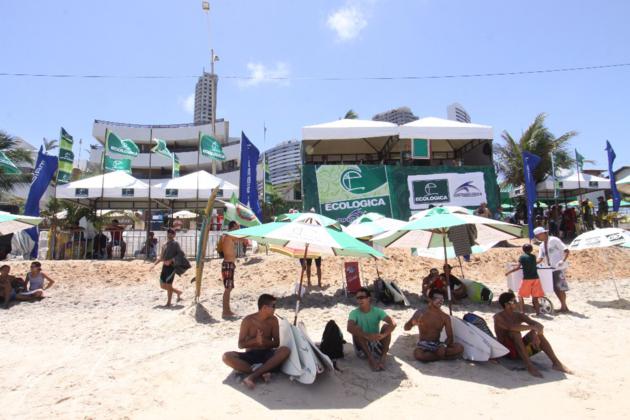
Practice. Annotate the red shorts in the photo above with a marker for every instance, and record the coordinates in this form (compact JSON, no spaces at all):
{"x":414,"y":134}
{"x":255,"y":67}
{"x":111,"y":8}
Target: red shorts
{"x":531,"y":287}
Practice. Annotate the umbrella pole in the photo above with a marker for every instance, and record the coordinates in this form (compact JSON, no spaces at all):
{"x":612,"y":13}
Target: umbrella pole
{"x":448,"y":280}
{"x":461,"y":268}
{"x":299,"y":292}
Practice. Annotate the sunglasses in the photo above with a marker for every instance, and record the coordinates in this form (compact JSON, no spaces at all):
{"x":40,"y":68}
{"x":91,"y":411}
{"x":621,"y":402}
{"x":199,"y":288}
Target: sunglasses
{"x":362,"y":297}
{"x":273,"y":306}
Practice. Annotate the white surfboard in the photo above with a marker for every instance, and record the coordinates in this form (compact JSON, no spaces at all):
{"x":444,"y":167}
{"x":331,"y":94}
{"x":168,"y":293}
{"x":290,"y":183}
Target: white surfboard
{"x":292,"y":365}
{"x":496,"y":349}
{"x":475,"y":347}
{"x":399,"y":296}
{"x":323,"y":358}
{"x":308,"y":360}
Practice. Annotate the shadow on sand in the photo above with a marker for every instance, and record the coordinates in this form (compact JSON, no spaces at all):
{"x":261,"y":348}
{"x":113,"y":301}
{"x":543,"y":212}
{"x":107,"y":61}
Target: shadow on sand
{"x":355,"y":387}
{"x":623,"y":304}
{"x":505,"y":374}
{"x":169,"y":308}
{"x":200,"y":314}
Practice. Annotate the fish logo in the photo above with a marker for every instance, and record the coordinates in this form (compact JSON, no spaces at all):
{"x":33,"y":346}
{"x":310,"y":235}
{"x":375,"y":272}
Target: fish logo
{"x":466,"y":187}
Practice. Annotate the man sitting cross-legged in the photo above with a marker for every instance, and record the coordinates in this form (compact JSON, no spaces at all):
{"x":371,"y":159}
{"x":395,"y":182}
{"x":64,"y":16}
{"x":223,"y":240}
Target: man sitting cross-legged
{"x":430,"y":323}
{"x":370,"y":341}
{"x":260,"y":337}
{"x":508,"y":325}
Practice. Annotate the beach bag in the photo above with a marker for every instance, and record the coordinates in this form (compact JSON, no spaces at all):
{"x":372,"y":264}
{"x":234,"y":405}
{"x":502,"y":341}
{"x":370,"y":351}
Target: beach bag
{"x":181,"y":264}
{"x":332,"y":341}
{"x":383,"y":294}
{"x":478,"y":322}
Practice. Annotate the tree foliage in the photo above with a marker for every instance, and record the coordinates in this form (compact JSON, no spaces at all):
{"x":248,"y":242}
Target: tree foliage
{"x":351,"y":115}
{"x":8,"y":145}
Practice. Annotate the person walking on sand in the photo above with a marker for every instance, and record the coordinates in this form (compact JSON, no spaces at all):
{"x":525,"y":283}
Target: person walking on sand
{"x":429,"y":348}
{"x":553,"y":252}
{"x":169,"y":251}
{"x":370,"y":341}
{"x":260,"y":337}
{"x":228,"y":246}
{"x":508,"y":325}
{"x":531,"y":282}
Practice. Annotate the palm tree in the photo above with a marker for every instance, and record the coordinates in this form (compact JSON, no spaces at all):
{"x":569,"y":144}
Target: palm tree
{"x":351,"y":115}
{"x":8,"y":145}
{"x":50,"y":144}
{"x":538,"y":140}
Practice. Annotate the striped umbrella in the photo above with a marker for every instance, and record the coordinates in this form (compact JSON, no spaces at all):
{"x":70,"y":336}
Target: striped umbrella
{"x":297,"y":217}
{"x":370,"y":225}
{"x":11,"y":223}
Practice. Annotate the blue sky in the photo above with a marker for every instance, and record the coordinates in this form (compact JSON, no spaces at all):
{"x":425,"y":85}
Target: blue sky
{"x":317,"y":39}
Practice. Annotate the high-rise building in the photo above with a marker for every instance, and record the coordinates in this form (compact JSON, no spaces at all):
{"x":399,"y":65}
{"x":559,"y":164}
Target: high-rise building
{"x":205,"y":98}
{"x":285,"y":162}
{"x":400,"y":116}
{"x":456,"y":112}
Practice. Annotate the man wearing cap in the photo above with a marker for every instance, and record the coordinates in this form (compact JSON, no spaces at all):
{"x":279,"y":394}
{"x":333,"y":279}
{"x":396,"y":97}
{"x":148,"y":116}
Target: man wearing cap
{"x":553,"y":252}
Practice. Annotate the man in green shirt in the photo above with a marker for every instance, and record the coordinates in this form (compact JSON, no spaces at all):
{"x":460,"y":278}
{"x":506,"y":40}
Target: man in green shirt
{"x":370,"y":341}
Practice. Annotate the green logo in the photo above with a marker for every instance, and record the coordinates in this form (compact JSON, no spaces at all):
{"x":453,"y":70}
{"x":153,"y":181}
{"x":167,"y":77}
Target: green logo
{"x":354,"y":181}
{"x":433,"y":191}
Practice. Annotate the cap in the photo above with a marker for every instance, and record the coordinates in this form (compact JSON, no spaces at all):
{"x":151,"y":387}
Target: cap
{"x":539,"y":230}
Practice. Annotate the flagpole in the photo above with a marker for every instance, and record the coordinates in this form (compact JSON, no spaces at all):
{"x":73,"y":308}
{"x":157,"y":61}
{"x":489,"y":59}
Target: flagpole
{"x":197,"y":196}
{"x":147,"y":244}
{"x":553,"y":177}
{"x":104,"y":170}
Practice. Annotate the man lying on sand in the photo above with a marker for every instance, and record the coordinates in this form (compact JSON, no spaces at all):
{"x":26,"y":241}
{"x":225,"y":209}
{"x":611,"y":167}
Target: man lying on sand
{"x":260,"y":337}
{"x":508,"y":325}
{"x":363,"y":323}
{"x":430,"y":323}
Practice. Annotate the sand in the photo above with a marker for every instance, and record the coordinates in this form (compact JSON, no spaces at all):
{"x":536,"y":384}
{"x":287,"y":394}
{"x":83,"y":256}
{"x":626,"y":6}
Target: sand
{"x":103,"y":346}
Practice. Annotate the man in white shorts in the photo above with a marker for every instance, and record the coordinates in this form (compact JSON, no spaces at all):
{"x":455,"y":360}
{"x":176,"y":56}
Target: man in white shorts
{"x":553,"y":252}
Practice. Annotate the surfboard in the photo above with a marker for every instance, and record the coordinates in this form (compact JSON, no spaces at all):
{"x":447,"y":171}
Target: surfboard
{"x":478,"y":292}
{"x":308,"y":360}
{"x":475,"y":348}
{"x":292,"y":365}
{"x":203,"y":242}
{"x":496,"y":349}
{"x":323,"y":358}
{"x":399,"y":296}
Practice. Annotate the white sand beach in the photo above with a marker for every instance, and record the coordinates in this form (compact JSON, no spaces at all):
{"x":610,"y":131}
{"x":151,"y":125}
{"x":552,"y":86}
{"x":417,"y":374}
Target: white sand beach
{"x":102,"y":346}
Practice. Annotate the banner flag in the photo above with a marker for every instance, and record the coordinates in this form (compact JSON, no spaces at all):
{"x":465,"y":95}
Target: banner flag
{"x":43,"y":174}
{"x":616,"y":197}
{"x":530,"y":162}
{"x":210,"y":147}
{"x":115,"y":144}
{"x":66,"y":158}
{"x":112,"y":165}
{"x":175,"y":166}
{"x":579,"y":160}
{"x":161,"y":149}
{"x":248,"y":187}
{"x":8,"y":167}
{"x":240,"y":213}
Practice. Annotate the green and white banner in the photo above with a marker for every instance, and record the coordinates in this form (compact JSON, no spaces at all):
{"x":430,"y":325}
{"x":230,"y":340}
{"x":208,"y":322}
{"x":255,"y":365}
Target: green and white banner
{"x":161,"y":149}
{"x":345,"y":192}
{"x":112,"y":165}
{"x":7,"y":166}
{"x":210,"y":147}
{"x":175,"y":166}
{"x":66,"y":158}
{"x":115,"y":144}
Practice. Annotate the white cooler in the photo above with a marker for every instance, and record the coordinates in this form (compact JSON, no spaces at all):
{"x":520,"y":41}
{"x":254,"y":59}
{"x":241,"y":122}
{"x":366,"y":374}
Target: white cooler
{"x":515,"y":279}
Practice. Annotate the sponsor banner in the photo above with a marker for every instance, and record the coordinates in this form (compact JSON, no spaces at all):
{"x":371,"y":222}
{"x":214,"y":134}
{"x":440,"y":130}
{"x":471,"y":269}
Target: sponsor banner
{"x":66,"y":158}
{"x":446,"y":189}
{"x":115,"y":144}
{"x":112,"y":165}
{"x":8,"y":167}
{"x":210,"y":147}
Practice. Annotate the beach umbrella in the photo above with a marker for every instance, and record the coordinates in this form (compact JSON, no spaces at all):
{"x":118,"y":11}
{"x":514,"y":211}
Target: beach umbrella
{"x":623,"y":185}
{"x":321,"y":219}
{"x":432,"y":229}
{"x":306,"y":238}
{"x":185,"y":214}
{"x":370,"y":225}
{"x":601,"y":238}
{"x":11,"y":223}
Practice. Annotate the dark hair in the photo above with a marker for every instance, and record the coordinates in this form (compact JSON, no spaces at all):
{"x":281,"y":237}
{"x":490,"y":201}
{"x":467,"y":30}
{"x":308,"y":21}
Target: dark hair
{"x":232,"y":224}
{"x":434,"y":269}
{"x":152,"y":233}
{"x":265,"y":300}
{"x":115,"y":221}
{"x":36,"y":264}
{"x":434,"y":292}
{"x":528,"y":248}
{"x":505,"y":298}
{"x":5,"y":266}
{"x":448,"y":265}
{"x":170,"y":230}
{"x":364,"y":290}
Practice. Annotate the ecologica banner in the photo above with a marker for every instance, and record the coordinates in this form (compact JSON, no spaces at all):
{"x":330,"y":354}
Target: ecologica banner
{"x":447,"y":189}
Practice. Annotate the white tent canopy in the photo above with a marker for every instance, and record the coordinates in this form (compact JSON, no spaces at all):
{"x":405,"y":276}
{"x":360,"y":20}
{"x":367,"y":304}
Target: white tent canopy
{"x":433,"y":128}
{"x":118,"y":184}
{"x":349,"y":129}
{"x":585,"y":184}
{"x":186,"y":186}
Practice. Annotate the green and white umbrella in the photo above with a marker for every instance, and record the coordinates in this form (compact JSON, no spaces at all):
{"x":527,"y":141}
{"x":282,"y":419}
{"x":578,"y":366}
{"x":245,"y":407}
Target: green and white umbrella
{"x":11,"y":223}
{"x":431,"y":228}
{"x":296,"y":217}
{"x":370,"y":225}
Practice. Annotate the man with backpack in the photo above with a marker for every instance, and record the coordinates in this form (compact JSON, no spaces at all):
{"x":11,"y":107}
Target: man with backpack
{"x":370,"y":341}
{"x":172,"y":258}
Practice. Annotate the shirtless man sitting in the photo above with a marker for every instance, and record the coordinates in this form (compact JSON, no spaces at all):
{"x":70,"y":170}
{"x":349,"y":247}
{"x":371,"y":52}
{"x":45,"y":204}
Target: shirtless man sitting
{"x":260,"y":337}
{"x":508,"y":325}
{"x":430,"y":324}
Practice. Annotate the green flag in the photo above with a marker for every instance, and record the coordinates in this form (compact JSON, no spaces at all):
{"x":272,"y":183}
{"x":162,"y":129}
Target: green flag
{"x":210,"y":147}
{"x":175,"y":166}
{"x":112,"y":165}
{"x":115,"y":144}
{"x":66,"y":158}
{"x":161,"y":149}
{"x":579,"y":160}
{"x":7,"y":166}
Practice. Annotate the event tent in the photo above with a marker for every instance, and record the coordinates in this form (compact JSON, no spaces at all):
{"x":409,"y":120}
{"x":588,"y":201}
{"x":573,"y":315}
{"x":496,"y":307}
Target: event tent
{"x":572,"y":185}
{"x":433,"y":128}
{"x":185,"y":187}
{"x":118,"y":184}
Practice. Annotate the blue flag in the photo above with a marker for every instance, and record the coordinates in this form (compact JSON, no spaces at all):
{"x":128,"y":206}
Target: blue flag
{"x":247,"y":187}
{"x":616,"y":197}
{"x":44,"y":172}
{"x":530,"y":162}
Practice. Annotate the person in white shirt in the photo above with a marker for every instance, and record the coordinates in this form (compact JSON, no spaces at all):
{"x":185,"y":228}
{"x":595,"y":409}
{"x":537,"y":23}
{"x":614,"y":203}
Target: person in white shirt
{"x":553,"y":252}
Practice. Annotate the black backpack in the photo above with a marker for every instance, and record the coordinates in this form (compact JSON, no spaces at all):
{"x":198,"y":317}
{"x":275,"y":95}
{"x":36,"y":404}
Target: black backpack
{"x":382,"y":293}
{"x":332,"y":341}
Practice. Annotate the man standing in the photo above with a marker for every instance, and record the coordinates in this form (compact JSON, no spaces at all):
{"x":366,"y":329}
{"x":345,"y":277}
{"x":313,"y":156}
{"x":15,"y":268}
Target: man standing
{"x":170,"y":250}
{"x":260,"y":337}
{"x":508,"y":325}
{"x":602,"y":211}
{"x":430,"y":324}
{"x":483,"y":211}
{"x":116,"y":230}
{"x":553,"y":252}
{"x":307,"y":264}
{"x":228,"y":245}
{"x":370,"y":341}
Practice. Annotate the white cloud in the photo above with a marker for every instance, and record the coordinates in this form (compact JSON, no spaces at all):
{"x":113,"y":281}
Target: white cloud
{"x":347,"y":22}
{"x":259,"y":73}
{"x":188,"y":103}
